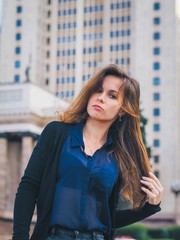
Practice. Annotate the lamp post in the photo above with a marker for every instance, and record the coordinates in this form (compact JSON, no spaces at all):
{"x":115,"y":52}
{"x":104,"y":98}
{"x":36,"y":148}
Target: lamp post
{"x":175,"y":188}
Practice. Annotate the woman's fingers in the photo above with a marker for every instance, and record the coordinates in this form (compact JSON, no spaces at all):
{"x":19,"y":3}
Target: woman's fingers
{"x":153,"y":188}
{"x":150,"y":185}
{"x":155,"y":179}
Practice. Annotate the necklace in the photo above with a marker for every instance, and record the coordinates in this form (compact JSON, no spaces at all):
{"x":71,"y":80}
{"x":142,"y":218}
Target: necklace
{"x":87,"y":147}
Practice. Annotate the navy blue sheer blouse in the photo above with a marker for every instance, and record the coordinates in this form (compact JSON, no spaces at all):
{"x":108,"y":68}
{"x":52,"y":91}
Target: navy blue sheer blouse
{"x":84,"y":185}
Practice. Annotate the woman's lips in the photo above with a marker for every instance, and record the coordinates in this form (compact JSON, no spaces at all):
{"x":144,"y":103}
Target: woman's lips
{"x":97,"y":107}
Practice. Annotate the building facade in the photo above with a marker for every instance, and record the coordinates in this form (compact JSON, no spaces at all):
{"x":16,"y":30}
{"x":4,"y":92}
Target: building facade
{"x":58,"y":45}
{"x":24,"y":111}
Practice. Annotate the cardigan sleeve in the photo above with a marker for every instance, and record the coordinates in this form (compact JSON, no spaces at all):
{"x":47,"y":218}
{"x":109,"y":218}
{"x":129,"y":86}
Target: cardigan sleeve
{"x":129,"y":216}
{"x":27,"y":193}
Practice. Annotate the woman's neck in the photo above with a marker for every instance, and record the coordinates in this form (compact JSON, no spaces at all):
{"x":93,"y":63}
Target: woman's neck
{"x":96,"y":131}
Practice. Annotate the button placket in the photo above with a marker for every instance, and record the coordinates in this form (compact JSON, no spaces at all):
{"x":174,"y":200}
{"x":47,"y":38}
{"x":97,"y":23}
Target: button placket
{"x":76,"y":234}
{"x":83,"y":218}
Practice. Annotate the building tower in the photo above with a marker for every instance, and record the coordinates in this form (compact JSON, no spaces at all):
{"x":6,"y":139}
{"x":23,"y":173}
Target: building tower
{"x":58,"y":45}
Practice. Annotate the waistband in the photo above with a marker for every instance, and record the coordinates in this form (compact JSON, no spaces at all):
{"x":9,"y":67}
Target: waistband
{"x":57,"y":230}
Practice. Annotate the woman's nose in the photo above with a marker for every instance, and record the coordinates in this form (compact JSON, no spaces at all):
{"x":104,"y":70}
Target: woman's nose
{"x":101,"y":97}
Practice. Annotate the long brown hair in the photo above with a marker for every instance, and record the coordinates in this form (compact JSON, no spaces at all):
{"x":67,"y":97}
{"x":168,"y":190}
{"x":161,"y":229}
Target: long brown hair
{"x":128,"y":147}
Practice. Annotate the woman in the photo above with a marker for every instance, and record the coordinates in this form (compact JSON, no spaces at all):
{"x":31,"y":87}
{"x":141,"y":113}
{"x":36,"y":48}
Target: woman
{"x":82,"y":162}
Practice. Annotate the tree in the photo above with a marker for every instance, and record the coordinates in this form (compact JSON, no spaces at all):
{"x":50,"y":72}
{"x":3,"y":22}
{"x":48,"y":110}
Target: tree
{"x":143,"y":123}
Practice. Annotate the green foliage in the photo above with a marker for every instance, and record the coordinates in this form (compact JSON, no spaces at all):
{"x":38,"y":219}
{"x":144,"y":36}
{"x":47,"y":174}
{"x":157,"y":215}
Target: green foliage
{"x":141,"y":232}
{"x":161,"y":232}
{"x":137,"y":231}
{"x":175,"y":232}
{"x":143,"y":123}
{"x":161,"y":239}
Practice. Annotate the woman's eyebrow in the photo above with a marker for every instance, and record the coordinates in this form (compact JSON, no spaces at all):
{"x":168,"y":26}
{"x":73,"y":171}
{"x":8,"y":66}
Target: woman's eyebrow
{"x":111,"y":90}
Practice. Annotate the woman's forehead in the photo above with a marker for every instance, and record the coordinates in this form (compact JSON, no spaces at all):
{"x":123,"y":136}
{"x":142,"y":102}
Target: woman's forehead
{"x":112,"y":83}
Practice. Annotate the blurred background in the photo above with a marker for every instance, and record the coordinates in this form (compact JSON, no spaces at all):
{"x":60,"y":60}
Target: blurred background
{"x":48,"y":51}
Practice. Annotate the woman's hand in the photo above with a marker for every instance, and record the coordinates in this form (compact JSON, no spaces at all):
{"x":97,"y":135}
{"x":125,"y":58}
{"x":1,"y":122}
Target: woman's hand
{"x":152,"y":188}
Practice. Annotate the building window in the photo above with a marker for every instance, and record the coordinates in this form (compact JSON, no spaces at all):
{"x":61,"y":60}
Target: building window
{"x":156,"y":6}
{"x":67,"y":93}
{"x":156,"y":96}
{"x":117,"y":61}
{"x":47,"y":68}
{"x":156,"y":66}
{"x":49,"y":14}
{"x":156,"y":143}
{"x":19,"y":23}
{"x":156,"y":36}
{"x":17,"y":50}
{"x":96,"y":8}
{"x":156,"y":173}
{"x":17,"y":64}
{"x":49,"y":2}
{"x":156,"y":159}
{"x":48,"y":27}
{"x":156,"y":111}
{"x":128,"y":46}
{"x":156,"y":21}
{"x":156,"y":51}
{"x":156,"y":81}
{"x":19,"y":9}
{"x":48,"y":54}
{"x":48,"y":41}
{"x":128,"y":18}
{"x":128,"y":4}
{"x":156,"y":127}
{"x":128,"y":32}
{"x":18,"y":36}
{"x":47,"y":81}
{"x":122,"y":5}
{"x":17,"y":78}
{"x":112,"y":6}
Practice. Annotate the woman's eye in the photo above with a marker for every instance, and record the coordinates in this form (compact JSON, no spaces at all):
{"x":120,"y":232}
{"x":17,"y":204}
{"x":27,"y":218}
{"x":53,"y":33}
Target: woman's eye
{"x":112,"y":96}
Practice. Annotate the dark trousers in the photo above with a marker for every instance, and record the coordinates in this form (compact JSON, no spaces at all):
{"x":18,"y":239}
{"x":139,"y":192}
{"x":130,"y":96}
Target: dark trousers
{"x":58,"y":233}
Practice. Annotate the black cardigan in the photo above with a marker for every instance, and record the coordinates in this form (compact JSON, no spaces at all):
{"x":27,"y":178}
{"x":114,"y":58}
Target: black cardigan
{"x":38,"y":184}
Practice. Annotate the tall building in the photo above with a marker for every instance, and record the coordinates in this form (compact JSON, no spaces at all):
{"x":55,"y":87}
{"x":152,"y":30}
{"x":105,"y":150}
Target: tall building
{"x":24,"y":52}
{"x":155,"y":61}
{"x":60,"y":44}
{"x":89,"y":35}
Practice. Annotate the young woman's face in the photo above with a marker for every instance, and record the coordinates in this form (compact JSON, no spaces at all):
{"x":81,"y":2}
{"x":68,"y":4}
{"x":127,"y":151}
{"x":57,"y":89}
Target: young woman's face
{"x":105,"y":104}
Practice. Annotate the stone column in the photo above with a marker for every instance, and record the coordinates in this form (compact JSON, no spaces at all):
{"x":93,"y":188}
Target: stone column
{"x":3,"y":174}
{"x":27,"y":147}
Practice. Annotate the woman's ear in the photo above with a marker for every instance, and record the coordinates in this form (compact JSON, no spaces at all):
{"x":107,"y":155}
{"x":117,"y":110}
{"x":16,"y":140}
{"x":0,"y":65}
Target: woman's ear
{"x":121,"y":113}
